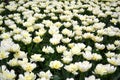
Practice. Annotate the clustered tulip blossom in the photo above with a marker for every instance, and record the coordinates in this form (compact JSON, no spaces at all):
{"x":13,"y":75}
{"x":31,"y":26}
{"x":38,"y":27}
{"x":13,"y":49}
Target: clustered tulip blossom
{"x":60,"y":40}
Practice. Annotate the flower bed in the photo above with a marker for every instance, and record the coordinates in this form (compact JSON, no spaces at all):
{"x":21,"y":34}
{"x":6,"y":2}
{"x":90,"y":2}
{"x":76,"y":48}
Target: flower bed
{"x":60,"y":40}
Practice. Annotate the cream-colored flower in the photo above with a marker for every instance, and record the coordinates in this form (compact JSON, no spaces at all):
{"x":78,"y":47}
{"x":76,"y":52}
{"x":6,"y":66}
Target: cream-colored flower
{"x":61,"y":48}
{"x":48,"y":49}
{"x":13,"y":62}
{"x":67,"y":32}
{"x":41,"y":32}
{"x":67,"y":24}
{"x":71,"y":68}
{"x":48,"y":23}
{"x":15,"y":48}
{"x":88,"y":35}
{"x":89,"y":29}
{"x":9,"y":22}
{"x":39,"y":26}
{"x":17,"y":30}
{"x":67,"y":53}
{"x":110,"y":69}
{"x":46,"y":75}
{"x":88,"y":55}
{"x":99,"y":26}
{"x":6,"y":74}
{"x":12,"y":26}
{"x":71,"y":45}
{"x":117,"y":42}
{"x":55,"y":64}
{"x":67,"y":59}
{"x":65,"y":17}
{"x":110,"y":54}
{"x":31,"y":20}
{"x":53,"y":30}
{"x":78,"y":32}
{"x":101,"y":32}
{"x":27,"y":76}
{"x":99,"y":46}
{"x":88,"y":48}
{"x":4,"y":54}
{"x":66,"y":40}
{"x":100,"y":69}
{"x":23,"y":61}
{"x":5,"y":35}
{"x":28,"y":67}
{"x":75,"y":50}
{"x":13,"y":6}
{"x":27,"y":24}
{"x":30,"y":29}
{"x":113,"y":20}
{"x":6,"y":44}
{"x":54,"y":17}
{"x":39,"y":16}
{"x":92,"y":77}
{"x":97,"y":38}
{"x":104,"y":69}
{"x":54,"y":41}
{"x":58,"y":24}
{"x":37,"y":57}
{"x":96,"y":56}
{"x":37,"y":39}
{"x":25,"y":34}
{"x":18,"y":37}
{"x":83,"y":66}
{"x":114,"y":61}
{"x":111,"y":47}
{"x":27,"y":40}
{"x":20,"y":54}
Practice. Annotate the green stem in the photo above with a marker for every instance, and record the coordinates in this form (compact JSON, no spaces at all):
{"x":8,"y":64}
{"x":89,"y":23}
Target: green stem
{"x":82,"y":76}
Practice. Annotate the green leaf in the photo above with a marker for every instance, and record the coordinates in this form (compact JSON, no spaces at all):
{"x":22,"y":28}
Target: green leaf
{"x":56,"y":77}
